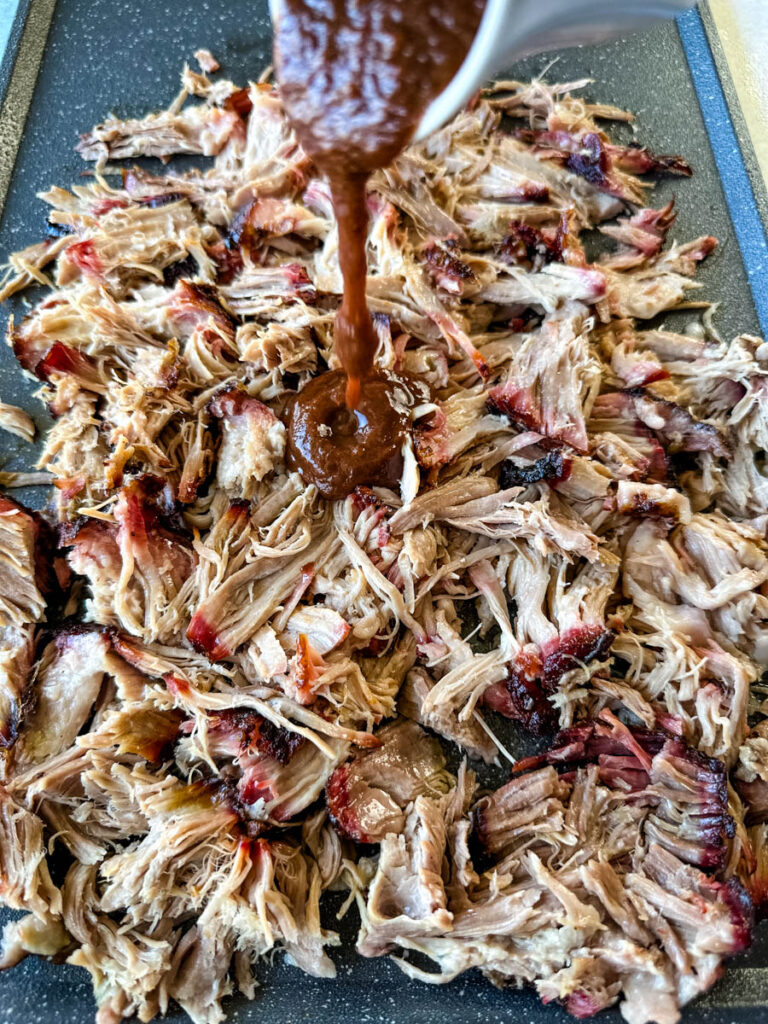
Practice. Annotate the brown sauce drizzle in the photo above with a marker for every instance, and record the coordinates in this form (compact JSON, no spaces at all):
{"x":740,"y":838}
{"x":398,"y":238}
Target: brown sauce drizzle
{"x":355,"y":77}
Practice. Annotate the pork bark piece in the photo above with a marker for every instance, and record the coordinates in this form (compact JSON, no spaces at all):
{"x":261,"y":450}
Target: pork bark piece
{"x":676,"y":426}
{"x":140,"y":566}
{"x":687,"y":792}
{"x":195,"y":307}
{"x":367,"y":797}
{"x":639,"y":412}
{"x":280,"y":773}
{"x":652,"y":500}
{"x":534,"y":675}
{"x":551,"y":467}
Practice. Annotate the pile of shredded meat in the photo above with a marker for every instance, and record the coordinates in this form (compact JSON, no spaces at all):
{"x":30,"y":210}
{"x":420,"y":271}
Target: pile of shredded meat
{"x":222,"y":696}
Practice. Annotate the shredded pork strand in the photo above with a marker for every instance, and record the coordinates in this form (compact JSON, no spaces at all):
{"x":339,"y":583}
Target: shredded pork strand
{"x":261,"y":680}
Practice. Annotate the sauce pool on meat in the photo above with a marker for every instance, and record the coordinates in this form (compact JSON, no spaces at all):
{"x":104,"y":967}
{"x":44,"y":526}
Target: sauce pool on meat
{"x":355,"y":77}
{"x":338,"y":448}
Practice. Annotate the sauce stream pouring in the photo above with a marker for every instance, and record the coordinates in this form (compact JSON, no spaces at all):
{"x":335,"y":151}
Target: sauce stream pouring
{"x":355,"y":78}
{"x":358,"y":80}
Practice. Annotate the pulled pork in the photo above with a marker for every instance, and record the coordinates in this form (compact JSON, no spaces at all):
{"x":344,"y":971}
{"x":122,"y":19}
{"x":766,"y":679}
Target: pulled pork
{"x":221,"y":695}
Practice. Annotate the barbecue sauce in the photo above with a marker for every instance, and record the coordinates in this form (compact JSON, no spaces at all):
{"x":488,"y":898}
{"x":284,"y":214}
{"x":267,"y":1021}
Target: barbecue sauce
{"x":338,"y":448}
{"x":355,"y":77}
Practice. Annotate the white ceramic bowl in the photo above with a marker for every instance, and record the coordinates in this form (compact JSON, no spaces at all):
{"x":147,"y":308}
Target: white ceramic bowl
{"x":511,"y":29}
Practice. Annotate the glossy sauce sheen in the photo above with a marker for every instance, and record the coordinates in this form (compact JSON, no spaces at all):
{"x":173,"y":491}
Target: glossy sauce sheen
{"x":355,"y":77}
{"x":337,"y":448}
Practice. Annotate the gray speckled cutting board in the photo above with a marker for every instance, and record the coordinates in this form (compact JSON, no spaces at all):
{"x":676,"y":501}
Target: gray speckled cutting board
{"x":125,"y":57}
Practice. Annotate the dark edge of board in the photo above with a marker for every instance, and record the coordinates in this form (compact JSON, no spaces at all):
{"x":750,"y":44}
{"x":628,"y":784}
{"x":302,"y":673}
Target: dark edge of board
{"x":18,"y":77}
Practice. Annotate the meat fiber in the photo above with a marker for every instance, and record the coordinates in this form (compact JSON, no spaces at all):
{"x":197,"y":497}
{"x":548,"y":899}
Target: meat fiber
{"x":640,"y":236}
{"x":26,"y":880}
{"x":443,"y":719}
{"x":139,"y":566}
{"x":553,"y":384}
{"x":16,"y":659}
{"x":197,"y":130}
{"x":407,"y":894}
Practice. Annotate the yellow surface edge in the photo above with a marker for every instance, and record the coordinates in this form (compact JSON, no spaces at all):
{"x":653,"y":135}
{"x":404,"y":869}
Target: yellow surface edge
{"x":742,"y":27}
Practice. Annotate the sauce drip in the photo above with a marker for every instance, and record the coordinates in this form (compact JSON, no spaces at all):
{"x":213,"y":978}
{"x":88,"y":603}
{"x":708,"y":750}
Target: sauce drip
{"x":354,"y":336}
{"x":355,"y":77}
